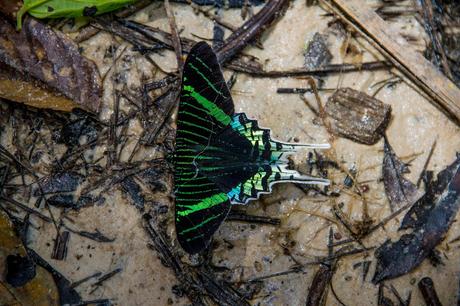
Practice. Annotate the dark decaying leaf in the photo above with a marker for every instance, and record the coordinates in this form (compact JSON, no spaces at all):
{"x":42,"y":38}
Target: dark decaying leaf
{"x":52,"y":59}
{"x":357,"y":116}
{"x":60,"y":182}
{"x":422,"y":208}
{"x":82,"y":125}
{"x":133,"y":189}
{"x":398,"y":189}
{"x":398,"y":258}
{"x":19,"y":270}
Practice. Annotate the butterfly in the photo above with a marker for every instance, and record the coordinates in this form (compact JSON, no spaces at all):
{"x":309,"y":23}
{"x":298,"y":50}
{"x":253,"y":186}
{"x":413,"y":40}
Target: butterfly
{"x":221,"y":157}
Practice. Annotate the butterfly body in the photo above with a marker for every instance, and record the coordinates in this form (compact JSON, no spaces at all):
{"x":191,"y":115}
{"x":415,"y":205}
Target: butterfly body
{"x":222,"y":157}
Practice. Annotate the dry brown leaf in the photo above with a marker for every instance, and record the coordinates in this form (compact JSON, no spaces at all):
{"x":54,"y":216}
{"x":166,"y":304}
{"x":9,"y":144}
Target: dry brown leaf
{"x":46,"y":56}
{"x":15,"y":87}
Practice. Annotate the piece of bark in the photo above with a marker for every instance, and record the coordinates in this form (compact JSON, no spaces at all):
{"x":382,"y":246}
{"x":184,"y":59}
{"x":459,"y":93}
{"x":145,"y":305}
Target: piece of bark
{"x":51,"y":58}
{"x":357,"y":116}
{"x":399,"y":190}
{"x":400,"y":257}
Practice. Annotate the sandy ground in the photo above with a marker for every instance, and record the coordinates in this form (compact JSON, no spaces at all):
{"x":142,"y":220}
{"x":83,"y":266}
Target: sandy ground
{"x":306,"y":220}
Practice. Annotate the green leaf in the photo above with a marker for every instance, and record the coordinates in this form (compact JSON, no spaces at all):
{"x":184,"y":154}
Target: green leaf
{"x":68,"y":8}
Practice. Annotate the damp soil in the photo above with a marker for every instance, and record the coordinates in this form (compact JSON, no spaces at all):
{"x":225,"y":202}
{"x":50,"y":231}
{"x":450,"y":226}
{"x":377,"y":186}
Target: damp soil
{"x":249,"y":251}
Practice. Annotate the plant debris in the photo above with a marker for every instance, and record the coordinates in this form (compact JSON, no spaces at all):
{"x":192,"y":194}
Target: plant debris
{"x":60,"y":246}
{"x":54,"y":165}
{"x":19,"y":270}
{"x":428,"y":291}
{"x":398,"y":189}
{"x":53,"y":61}
{"x":398,"y":258}
{"x":23,"y":281}
{"x":357,"y":116}
{"x":197,"y":283}
{"x":67,"y":295}
{"x":317,"y":54}
{"x":418,"y":213}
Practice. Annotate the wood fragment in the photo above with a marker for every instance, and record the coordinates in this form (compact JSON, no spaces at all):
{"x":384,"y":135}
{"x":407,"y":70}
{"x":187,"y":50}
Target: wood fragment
{"x":428,"y":291}
{"x":443,"y":91}
{"x":60,"y":245}
{"x":357,"y":116}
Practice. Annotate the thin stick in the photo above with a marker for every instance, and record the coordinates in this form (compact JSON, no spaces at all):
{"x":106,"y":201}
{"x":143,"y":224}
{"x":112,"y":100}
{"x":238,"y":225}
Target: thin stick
{"x":175,"y":35}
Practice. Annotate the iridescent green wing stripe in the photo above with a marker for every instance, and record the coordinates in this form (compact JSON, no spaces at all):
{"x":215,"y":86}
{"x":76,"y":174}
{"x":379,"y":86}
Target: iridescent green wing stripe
{"x":200,"y":209}
{"x":205,"y":109}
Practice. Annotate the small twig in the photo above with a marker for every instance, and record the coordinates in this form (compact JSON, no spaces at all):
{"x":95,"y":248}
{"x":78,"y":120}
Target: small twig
{"x":105,"y":277}
{"x":250,"y":29}
{"x":425,"y":165}
{"x":26,"y":208}
{"x":241,"y":216}
{"x":84,"y":280}
{"x":175,"y":35}
{"x":320,"y":71}
{"x":96,"y":236}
